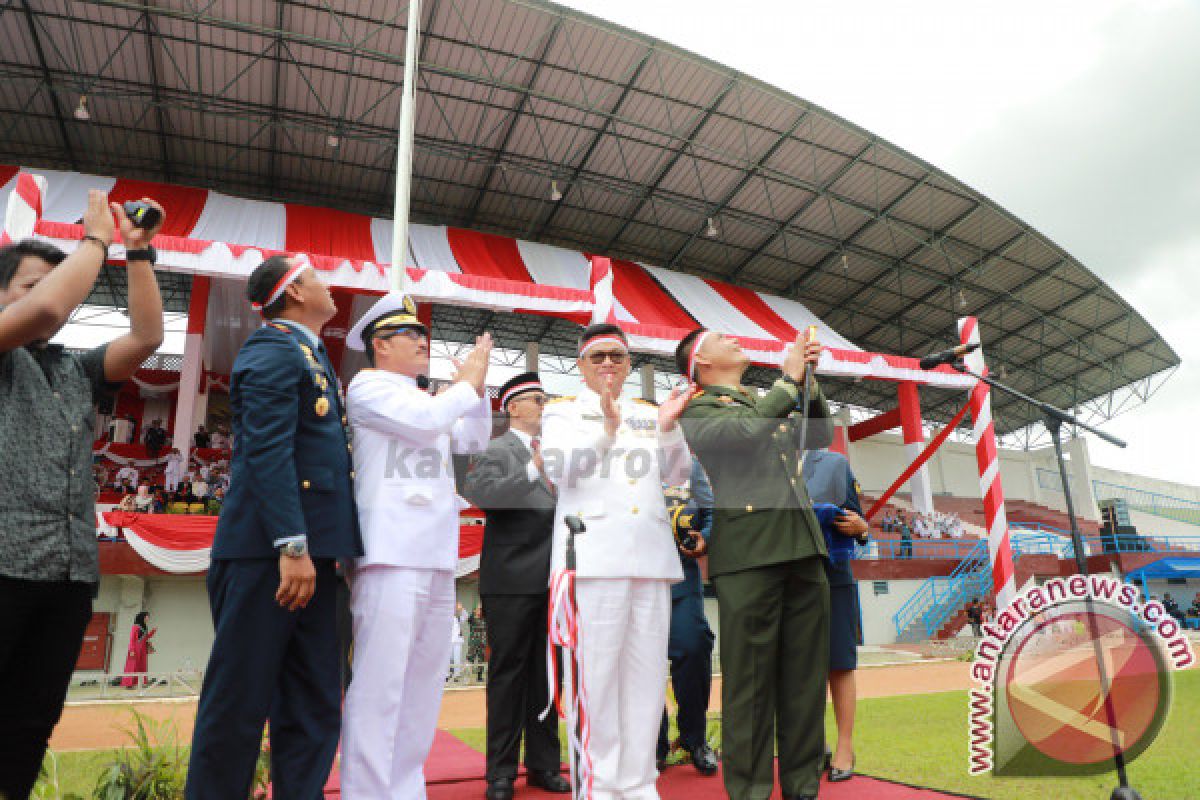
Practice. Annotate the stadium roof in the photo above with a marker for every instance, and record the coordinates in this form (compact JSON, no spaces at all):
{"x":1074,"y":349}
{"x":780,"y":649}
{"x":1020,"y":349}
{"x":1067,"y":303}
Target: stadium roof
{"x":661,"y":156}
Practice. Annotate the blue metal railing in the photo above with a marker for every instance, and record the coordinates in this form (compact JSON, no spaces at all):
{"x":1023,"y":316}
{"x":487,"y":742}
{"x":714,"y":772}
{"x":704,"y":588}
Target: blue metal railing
{"x":939,"y":598}
{"x":1162,"y":505}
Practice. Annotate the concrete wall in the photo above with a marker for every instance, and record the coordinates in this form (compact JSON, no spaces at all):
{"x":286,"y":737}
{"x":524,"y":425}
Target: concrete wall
{"x":878,"y":610}
{"x":178,"y":607}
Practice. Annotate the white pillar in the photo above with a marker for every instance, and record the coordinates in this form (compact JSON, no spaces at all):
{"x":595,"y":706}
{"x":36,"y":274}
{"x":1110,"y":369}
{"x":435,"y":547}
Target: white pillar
{"x":192,"y":369}
{"x":1080,"y":470}
{"x":914,"y":444}
{"x":647,"y":371}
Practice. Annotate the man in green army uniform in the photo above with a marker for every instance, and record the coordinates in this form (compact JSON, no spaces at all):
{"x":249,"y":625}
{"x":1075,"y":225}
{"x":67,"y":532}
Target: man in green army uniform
{"x":765,"y":560}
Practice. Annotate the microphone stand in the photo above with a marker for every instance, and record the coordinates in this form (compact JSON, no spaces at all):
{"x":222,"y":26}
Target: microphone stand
{"x":1054,"y":417}
{"x":575,"y":527}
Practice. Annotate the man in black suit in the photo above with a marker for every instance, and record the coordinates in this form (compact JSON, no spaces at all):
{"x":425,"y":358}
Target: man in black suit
{"x":508,"y":482}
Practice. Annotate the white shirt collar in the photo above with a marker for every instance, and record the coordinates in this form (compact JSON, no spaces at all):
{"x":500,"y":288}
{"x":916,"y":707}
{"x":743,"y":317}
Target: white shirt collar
{"x":525,"y":438}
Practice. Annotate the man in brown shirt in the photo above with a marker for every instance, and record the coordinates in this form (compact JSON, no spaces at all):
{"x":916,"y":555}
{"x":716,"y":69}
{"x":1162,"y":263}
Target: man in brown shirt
{"x":48,"y":559}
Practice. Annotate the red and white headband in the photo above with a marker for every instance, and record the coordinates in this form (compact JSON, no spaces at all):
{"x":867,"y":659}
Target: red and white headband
{"x":696,"y":345}
{"x":520,"y":388}
{"x":287,"y":280}
{"x":593,"y":343}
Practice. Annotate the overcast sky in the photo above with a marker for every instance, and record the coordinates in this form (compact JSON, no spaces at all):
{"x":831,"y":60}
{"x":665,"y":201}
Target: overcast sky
{"x":1081,"y":118}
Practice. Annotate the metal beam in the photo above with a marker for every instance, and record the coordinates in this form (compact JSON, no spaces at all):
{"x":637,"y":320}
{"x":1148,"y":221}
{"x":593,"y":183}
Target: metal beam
{"x":747,"y":176}
{"x":596,"y":139}
{"x":160,"y":113}
{"x":482,"y":190}
{"x":276,"y":85}
{"x":782,"y":227}
{"x":652,"y":187}
{"x":50,"y":87}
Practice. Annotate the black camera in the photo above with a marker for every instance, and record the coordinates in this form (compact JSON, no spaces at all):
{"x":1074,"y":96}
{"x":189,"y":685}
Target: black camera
{"x":142,"y":215}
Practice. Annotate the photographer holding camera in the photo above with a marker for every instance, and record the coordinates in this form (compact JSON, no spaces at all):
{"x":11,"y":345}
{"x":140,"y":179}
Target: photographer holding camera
{"x":49,"y":569}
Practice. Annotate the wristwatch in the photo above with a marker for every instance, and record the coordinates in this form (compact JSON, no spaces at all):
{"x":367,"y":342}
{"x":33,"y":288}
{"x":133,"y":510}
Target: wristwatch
{"x":296,"y":549}
{"x":146,"y":254}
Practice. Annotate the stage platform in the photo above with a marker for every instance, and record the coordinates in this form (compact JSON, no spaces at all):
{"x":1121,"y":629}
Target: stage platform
{"x":454,"y":771}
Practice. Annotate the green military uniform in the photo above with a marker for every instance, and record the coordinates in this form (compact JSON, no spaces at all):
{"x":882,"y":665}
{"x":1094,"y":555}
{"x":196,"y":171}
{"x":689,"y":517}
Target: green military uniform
{"x":765,"y":560}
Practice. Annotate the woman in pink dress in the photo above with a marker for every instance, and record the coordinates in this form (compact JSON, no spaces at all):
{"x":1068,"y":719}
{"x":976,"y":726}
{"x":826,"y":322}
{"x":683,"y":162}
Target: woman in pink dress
{"x":138,"y":660}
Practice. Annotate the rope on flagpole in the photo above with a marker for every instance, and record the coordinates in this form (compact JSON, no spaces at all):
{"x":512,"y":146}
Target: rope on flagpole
{"x":571,"y":699}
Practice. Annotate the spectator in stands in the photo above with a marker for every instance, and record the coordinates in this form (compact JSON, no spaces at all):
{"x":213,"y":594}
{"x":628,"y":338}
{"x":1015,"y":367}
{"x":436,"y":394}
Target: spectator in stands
{"x":128,"y":500}
{"x":49,"y":562}
{"x":155,"y":438}
{"x":202,"y":439}
{"x":1171,"y":606}
{"x":143,"y":499}
{"x":220,"y":439}
{"x":906,"y":547}
{"x":159,"y":506}
{"x":215,"y":501}
{"x":174,"y":471}
{"x":127,"y":476}
{"x":199,"y":490}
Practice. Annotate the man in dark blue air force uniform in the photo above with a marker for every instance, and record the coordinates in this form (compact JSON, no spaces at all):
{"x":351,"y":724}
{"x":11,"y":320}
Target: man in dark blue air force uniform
{"x":690,"y":646}
{"x":288,"y":516}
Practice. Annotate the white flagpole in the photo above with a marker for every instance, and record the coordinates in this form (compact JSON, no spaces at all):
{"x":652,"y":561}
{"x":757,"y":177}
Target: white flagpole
{"x":404,"y":149}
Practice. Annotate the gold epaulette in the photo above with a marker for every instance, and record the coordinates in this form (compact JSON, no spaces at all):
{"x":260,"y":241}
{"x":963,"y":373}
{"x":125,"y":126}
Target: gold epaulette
{"x":696,"y":394}
{"x":645,"y":402}
{"x":562,"y":399}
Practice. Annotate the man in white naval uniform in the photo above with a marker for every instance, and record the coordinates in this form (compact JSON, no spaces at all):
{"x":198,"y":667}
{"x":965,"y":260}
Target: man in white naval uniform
{"x":403,"y":598}
{"x":609,"y":459}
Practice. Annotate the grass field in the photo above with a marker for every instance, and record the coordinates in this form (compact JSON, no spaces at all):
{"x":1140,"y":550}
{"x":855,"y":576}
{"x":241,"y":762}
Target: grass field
{"x":918,"y":739}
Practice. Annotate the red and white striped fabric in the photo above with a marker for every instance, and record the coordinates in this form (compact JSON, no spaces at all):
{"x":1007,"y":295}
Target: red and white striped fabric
{"x":988,"y":459}
{"x":24,"y":207}
{"x":182,"y":544}
{"x":210,"y":233}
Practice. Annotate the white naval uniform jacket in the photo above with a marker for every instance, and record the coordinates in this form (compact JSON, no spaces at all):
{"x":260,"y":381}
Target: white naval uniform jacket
{"x":620,"y":496}
{"x":404,"y":478}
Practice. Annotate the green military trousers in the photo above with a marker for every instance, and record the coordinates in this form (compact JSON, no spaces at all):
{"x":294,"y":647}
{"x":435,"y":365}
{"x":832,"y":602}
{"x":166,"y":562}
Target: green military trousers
{"x":774,"y":624}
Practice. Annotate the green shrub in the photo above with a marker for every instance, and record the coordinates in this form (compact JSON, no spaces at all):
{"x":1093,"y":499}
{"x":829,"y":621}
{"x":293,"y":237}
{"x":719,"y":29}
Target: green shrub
{"x":154,"y":768}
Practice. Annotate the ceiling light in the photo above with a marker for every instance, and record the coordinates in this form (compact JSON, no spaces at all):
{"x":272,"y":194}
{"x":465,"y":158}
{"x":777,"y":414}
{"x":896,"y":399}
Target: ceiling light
{"x":711,"y":230}
{"x":81,"y":112}
{"x":333,"y":140}
{"x":962,"y":299}
{"x":555,"y":194}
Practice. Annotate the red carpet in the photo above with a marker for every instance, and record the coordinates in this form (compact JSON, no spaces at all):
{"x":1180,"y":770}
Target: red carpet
{"x":454,"y":771}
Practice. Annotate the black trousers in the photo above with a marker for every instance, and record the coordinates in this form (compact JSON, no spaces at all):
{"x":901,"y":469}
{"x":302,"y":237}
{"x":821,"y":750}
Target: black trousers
{"x":516,"y":686}
{"x":690,"y":650}
{"x":267,"y":663}
{"x":41,"y":629}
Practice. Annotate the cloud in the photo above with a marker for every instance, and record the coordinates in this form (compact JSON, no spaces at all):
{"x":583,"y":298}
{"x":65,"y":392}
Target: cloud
{"x":1079,"y":117}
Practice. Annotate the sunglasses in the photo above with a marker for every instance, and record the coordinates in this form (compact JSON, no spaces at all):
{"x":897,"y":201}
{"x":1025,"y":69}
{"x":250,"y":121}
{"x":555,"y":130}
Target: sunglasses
{"x":412,"y":334}
{"x":615,"y":356}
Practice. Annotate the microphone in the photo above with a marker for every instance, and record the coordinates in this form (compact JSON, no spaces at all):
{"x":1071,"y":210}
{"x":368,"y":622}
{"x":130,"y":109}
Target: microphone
{"x":574,"y":524}
{"x":948,"y":356}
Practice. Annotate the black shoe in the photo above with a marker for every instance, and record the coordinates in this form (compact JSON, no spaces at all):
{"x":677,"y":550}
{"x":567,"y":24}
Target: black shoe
{"x":828,"y":761}
{"x":550,"y":781}
{"x":500,"y":789}
{"x":838,"y":775}
{"x":704,"y":760}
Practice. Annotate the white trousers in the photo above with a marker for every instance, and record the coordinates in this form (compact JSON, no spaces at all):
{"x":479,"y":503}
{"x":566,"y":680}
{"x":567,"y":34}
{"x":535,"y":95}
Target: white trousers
{"x":624,"y":624}
{"x":401,"y":653}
